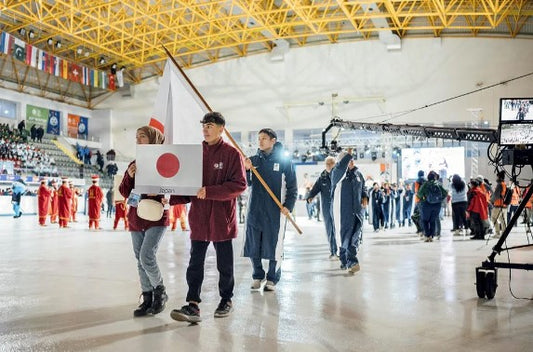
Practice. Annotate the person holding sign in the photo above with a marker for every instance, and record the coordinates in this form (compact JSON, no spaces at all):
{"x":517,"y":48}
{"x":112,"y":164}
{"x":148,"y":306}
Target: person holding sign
{"x":212,"y":218}
{"x":265,"y":226}
{"x":146,"y":233}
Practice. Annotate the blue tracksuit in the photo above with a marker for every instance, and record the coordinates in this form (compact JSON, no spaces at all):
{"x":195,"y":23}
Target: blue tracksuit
{"x":265,"y":228}
{"x":323,"y":185}
{"x":348,"y":189}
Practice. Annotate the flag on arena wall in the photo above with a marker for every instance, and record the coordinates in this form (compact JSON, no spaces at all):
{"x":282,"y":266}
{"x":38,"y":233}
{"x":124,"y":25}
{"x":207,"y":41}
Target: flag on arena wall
{"x":19,"y":50}
{"x":34,"y":56}
{"x":74,"y":73}
{"x":111,"y":81}
{"x":54,"y":122}
{"x":51,"y":64}
{"x":83,"y":126}
{"x":169,"y":169}
{"x":40,"y":60}
{"x":29,"y":50}
{"x":44,"y":61}
{"x":6,"y":43}
{"x":120,"y":79}
{"x":72,"y":125}
{"x":36,"y":115}
{"x":103,"y":80}
{"x":57,"y":65}
{"x":177,"y":109}
{"x":64,"y":73}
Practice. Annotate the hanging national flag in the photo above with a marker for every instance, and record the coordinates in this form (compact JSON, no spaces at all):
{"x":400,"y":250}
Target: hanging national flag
{"x":111,"y":81}
{"x":51,"y":64}
{"x":177,"y":108}
{"x":103,"y":80}
{"x":85,"y":75}
{"x":40,"y":60}
{"x":34,"y":56}
{"x":6,"y":43}
{"x":45,"y":61}
{"x":120,"y":78}
{"x":29,"y":49}
{"x":74,"y":73}
{"x":19,"y":50}
{"x":169,"y":169}
{"x":57,"y":65}
{"x":64,"y":73}
{"x":95,"y":77}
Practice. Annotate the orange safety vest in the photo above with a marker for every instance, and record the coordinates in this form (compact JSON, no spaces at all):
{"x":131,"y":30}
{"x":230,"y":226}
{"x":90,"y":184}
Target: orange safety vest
{"x":499,"y":202}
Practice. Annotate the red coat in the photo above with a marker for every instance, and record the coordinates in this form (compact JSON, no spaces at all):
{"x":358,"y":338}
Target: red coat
{"x":95,"y":196}
{"x":478,"y":203}
{"x":213,"y":219}
{"x":64,"y":196}
{"x":43,"y":199}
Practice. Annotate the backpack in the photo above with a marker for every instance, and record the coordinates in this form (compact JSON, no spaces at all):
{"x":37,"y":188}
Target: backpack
{"x":508,"y":196}
{"x":434,"y":194}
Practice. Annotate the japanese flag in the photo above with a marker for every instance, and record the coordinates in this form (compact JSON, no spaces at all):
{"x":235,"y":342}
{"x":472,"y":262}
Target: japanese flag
{"x":178,"y":109}
{"x":168,"y":169}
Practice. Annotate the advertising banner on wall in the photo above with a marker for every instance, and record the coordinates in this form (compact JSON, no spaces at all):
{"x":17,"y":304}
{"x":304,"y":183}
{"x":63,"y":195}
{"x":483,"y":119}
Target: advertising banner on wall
{"x":54,"y":122}
{"x":72,"y":128}
{"x":36,"y":115}
{"x":83,"y":126}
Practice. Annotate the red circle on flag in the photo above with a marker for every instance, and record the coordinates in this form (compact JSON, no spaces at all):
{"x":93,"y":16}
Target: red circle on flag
{"x":168,"y":165}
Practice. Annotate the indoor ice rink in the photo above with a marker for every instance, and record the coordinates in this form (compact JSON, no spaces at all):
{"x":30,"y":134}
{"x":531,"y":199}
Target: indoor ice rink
{"x":409,"y":86}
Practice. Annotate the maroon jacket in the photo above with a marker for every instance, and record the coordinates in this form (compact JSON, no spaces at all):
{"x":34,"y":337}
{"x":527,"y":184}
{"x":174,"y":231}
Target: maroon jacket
{"x":213,"y":219}
{"x":136,"y":223}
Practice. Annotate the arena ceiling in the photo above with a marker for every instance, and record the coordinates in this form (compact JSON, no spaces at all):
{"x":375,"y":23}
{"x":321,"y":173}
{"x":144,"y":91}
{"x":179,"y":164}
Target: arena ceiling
{"x":130,"y":34}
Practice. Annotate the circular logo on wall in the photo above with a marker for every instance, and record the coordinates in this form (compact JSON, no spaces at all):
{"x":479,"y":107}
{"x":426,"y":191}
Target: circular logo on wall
{"x":53,"y":121}
{"x":81,"y":128}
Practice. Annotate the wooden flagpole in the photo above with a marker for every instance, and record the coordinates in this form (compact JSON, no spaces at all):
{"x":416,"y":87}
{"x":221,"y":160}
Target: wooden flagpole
{"x":255,"y":172}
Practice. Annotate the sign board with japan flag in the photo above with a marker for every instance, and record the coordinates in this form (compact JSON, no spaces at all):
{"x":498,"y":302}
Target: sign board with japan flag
{"x":169,"y":169}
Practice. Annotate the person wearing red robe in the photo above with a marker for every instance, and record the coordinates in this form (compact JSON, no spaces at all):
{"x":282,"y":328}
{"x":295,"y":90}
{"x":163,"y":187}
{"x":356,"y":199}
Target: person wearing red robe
{"x":64,"y":196}
{"x":477,"y":211}
{"x":54,"y":203}
{"x":95,"y":204}
{"x":74,"y":207}
{"x":178,"y":212}
{"x":43,"y":199}
{"x":121,"y":209}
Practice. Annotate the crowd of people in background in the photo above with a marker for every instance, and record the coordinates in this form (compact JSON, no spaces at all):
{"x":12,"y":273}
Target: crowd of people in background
{"x":24,"y":155}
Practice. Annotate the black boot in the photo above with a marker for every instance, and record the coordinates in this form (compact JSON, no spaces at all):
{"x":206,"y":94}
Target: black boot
{"x":146,"y":306}
{"x":160,"y":298}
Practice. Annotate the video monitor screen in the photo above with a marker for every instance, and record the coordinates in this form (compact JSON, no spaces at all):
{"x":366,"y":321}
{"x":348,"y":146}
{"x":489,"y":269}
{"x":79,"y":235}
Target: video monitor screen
{"x":516,"y":109}
{"x":516,"y":121}
{"x":444,"y":161}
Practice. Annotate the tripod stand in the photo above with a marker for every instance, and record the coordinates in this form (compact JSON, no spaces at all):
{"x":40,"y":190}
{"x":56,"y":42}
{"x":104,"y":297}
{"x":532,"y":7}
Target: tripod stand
{"x":487,"y":273}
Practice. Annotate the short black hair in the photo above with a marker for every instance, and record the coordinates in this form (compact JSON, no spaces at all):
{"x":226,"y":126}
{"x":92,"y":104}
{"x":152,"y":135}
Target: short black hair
{"x":214,"y":117}
{"x":270,"y":132}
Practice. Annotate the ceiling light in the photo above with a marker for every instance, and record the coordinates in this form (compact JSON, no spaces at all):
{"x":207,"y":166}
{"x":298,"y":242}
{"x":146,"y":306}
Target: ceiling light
{"x":87,"y":54}
{"x":102,"y":60}
{"x":31,"y":34}
{"x":58,"y":44}
{"x":79,"y":51}
{"x":114,"y":66}
{"x":22,"y":31}
{"x":50,"y":41}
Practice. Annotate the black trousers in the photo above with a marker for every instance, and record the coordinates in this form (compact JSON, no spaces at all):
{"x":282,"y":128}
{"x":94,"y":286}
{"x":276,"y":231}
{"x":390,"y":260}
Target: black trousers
{"x":195,"y":270}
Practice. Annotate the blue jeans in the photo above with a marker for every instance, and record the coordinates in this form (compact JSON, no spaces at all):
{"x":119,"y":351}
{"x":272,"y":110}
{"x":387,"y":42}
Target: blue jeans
{"x":273,"y":274}
{"x":145,"y":244}
{"x":16,"y":208}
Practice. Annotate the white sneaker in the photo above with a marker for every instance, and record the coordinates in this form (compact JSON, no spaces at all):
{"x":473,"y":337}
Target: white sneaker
{"x":270,"y":286}
{"x":256,"y":285}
